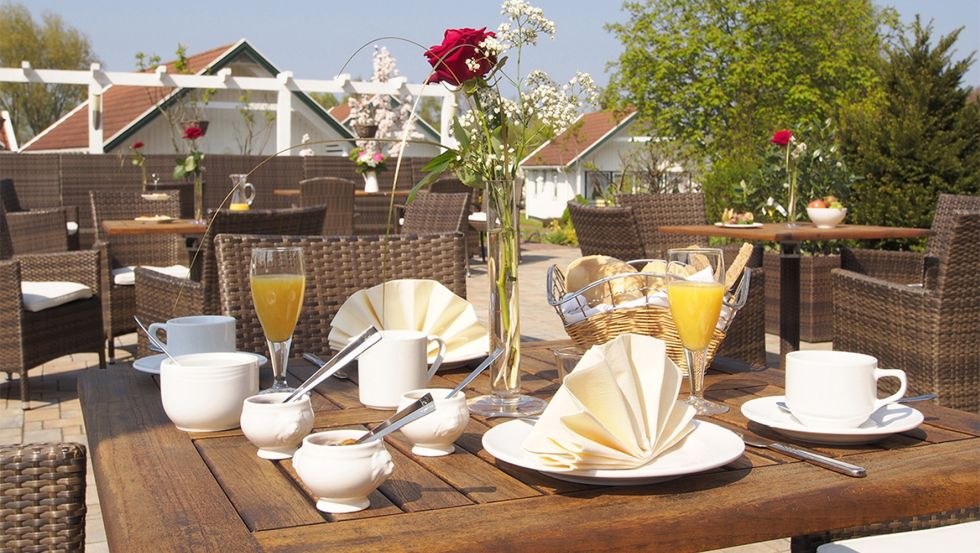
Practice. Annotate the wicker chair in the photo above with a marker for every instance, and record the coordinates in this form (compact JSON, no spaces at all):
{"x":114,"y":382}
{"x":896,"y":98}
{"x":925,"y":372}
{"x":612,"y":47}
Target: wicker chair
{"x":436,"y":212}
{"x":932,"y":331}
{"x":608,"y":231}
{"x":338,"y":195}
{"x":336,"y":267}
{"x":30,"y":338}
{"x":43,"y":499}
{"x":810,"y":542}
{"x":452,"y":186}
{"x":41,"y":230}
{"x":160,"y":297}
{"x":122,"y":252}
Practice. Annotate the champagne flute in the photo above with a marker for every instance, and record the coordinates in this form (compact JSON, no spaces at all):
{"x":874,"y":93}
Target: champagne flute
{"x":278,"y":281}
{"x":695,"y":305}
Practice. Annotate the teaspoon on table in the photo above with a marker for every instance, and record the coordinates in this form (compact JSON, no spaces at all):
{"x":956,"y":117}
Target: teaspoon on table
{"x":815,"y":458}
{"x":911,"y":399}
{"x":416,"y":410}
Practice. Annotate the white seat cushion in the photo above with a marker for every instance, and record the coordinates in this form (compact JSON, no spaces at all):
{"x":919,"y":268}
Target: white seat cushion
{"x":72,"y":227}
{"x":126,"y":276}
{"x":478,"y":217}
{"x":952,"y":538}
{"x":39,"y":296}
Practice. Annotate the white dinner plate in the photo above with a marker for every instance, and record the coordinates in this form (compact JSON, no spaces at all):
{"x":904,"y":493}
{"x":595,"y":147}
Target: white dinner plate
{"x":738,"y":225}
{"x":708,"y":446}
{"x":890,"y":419}
{"x":151,"y":363}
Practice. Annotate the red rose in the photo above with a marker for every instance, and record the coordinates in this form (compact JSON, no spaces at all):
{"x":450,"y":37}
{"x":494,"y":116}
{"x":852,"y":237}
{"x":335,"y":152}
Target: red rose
{"x":782,"y":137}
{"x":449,"y":58}
{"x":193,"y":133}
{"x":137,"y":145}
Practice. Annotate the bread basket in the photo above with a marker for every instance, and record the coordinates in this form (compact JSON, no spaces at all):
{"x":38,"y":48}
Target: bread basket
{"x":646,"y":313}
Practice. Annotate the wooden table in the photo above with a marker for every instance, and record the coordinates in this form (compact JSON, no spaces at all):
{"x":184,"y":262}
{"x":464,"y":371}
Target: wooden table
{"x":133,"y":227}
{"x":789,"y":239}
{"x":161,"y":489}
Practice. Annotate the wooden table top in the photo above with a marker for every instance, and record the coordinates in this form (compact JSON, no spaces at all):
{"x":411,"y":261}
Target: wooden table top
{"x":357,"y":193}
{"x":173,"y":226}
{"x":164,"y":490}
{"x":779,"y":232}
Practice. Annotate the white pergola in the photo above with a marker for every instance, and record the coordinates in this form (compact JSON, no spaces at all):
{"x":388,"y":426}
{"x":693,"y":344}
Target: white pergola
{"x":284,"y":84}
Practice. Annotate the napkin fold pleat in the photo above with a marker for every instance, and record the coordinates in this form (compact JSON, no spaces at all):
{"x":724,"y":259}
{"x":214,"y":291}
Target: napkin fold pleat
{"x":618,"y":409}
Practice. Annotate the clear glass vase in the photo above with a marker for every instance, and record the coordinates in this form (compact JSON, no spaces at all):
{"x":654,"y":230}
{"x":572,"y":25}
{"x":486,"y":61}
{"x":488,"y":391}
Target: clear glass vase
{"x":198,"y":197}
{"x":500,"y":203}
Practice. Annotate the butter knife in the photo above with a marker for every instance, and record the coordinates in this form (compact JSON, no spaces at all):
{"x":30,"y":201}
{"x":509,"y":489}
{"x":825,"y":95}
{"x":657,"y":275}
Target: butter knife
{"x":835,"y":465}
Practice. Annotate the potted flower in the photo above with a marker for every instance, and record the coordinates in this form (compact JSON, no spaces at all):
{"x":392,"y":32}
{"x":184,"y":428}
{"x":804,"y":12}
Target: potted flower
{"x":368,"y":160}
{"x":193,"y":164}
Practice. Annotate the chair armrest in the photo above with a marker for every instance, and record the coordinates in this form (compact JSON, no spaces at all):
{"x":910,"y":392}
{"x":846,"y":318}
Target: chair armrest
{"x":38,"y":231}
{"x":79,"y":266}
{"x":895,"y":266}
{"x":10,"y":297}
{"x":855,"y":289}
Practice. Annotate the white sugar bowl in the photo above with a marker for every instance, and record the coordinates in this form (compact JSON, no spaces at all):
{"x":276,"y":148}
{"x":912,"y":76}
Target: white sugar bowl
{"x":342,"y":476}
{"x":433,"y":435}
{"x":276,"y":428}
{"x":204,"y":392}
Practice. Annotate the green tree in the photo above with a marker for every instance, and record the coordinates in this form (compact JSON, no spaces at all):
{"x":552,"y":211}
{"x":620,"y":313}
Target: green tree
{"x":50,"y":45}
{"x":923,"y":141}
{"x":721,"y":75}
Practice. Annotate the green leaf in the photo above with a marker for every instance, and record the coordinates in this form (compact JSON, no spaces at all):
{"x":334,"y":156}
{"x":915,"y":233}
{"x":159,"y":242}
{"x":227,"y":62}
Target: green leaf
{"x":440,"y":163}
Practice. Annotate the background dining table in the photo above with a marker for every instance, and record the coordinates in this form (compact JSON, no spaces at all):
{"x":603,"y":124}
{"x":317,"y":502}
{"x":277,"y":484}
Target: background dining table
{"x":162,"y":489}
{"x":168,"y":226}
{"x":789,"y":238}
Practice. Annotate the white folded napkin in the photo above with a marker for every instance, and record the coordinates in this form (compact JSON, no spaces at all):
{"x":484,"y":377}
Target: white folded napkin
{"x":618,"y":409}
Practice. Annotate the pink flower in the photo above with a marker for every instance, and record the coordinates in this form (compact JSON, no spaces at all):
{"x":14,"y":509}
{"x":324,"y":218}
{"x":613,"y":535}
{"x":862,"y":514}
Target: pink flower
{"x":378,"y":157}
{"x":782,"y":137}
{"x":448,"y":60}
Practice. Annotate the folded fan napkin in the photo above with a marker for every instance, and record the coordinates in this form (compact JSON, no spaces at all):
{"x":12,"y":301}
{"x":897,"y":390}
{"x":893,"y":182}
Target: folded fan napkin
{"x":618,"y":409}
{"x":412,"y":304}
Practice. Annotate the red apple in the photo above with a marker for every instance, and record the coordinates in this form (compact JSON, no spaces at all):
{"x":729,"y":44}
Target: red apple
{"x":817,"y":203}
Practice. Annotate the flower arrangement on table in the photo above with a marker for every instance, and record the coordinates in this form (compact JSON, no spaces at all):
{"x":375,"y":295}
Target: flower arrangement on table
{"x":368,"y":158}
{"x":139,"y":160}
{"x":493,"y":135}
{"x":193,"y":164}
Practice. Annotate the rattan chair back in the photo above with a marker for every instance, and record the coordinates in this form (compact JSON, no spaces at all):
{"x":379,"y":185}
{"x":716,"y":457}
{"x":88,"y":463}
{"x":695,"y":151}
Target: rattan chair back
{"x":8,"y":196}
{"x":144,"y":249}
{"x":336,"y":267}
{"x":338,"y":195}
{"x":944,"y":219}
{"x":437,"y":212}
{"x":608,"y":231}
{"x":6,"y":243}
{"x":43,"y":497}
{"x":654,"y":210}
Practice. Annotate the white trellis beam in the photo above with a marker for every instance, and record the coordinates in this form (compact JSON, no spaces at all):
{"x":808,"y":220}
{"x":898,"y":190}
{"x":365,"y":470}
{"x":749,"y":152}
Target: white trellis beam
{"x":97,"y":80}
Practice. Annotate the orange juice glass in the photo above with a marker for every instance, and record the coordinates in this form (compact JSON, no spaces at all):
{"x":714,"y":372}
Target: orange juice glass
{"x":278,"y":280}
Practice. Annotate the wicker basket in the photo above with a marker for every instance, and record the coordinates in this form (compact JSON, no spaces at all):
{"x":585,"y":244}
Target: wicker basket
{"x":588,"y":328}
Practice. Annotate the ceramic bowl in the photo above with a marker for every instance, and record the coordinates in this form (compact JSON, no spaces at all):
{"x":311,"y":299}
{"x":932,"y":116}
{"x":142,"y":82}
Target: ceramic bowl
{"x":826,"y":217}
{"x":433,"y":435}
{"x":342,"y":476}
{"x":276,"y":428}
{"x":205,"y":391}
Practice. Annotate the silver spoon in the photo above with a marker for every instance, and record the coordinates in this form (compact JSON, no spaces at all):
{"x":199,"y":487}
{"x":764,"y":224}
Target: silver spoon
{"x":354,"y":348}
{"x":911,"y":399}
{"x":420,"y":408}
{"x":476,"y":372}
{"x":154,"y":341}
{"x":835,"y":465}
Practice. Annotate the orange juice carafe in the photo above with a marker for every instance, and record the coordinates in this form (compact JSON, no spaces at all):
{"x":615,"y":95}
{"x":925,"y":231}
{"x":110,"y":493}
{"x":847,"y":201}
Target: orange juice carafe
{"x":242,"y":193}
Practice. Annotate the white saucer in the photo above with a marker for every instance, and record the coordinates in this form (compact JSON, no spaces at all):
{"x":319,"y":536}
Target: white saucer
{"x":708,"y":446}
{"x":890,"y":419}
{"x":151,"y":363}
{"x":738,"y":225}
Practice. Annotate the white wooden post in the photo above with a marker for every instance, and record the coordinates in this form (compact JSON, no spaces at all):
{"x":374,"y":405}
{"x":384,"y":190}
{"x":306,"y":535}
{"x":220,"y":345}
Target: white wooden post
{"x":284,"y":113}
{"x":95,"y":134}
{"x":446,"y":120}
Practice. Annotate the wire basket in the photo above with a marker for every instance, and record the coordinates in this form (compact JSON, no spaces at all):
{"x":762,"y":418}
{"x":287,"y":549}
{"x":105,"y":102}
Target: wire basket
{"x":630,"y":303}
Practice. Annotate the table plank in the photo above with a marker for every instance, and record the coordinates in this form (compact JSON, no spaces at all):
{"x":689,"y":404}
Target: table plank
{"x":779,"y":232}
{"x":144,"y":466}
{"x":132,"y":227}
{"x":691,"y":508}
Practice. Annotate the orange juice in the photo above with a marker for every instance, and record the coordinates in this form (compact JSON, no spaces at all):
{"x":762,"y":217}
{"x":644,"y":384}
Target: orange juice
{"x":695,"y":307}
{"x":241,"y":206}
{"x":278,"y":299}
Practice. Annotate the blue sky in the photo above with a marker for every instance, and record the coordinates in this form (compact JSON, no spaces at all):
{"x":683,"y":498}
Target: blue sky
{"x":314,"y":39}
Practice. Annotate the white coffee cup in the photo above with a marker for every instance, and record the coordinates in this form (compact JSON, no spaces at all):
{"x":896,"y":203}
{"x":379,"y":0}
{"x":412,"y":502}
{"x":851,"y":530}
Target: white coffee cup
{"x":196,"y":334}
{"x":395,"y":365}
{"x":836,"y":389}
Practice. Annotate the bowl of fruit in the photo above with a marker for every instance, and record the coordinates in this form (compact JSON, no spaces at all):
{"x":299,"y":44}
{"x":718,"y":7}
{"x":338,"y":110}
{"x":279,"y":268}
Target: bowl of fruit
{"x":826,"y":212}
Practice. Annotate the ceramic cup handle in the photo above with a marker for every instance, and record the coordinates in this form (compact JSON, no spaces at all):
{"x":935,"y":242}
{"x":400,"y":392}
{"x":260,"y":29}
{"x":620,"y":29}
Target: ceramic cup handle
{"x":438,"y":359}
{"x":155,"y":329}
{"x":896,"y":373}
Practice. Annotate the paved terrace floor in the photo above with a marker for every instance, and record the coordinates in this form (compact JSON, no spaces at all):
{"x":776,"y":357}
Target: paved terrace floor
{"x":56,"y":414}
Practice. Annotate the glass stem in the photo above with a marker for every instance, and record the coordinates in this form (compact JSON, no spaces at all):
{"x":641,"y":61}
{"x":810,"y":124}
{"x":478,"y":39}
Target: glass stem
{"x":697,"y":363}
{"x":279,"y":353}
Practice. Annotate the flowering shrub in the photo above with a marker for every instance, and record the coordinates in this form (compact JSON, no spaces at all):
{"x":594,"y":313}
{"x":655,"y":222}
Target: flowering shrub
{"x":390,"y":115}
{"x":495,"y":133}
{"x":367,"y":159}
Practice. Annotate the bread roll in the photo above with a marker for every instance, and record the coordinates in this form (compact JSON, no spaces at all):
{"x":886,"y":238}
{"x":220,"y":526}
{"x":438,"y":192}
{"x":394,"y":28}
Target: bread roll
{"x":586,"y":270}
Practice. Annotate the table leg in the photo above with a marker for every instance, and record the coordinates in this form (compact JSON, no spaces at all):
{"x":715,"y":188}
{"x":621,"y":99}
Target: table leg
{"x":789,"y":299}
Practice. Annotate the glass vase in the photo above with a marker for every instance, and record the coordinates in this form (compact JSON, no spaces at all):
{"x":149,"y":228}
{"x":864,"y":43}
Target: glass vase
{"x":791,"y":206}
{"x":198,"y":198}
{"x":501,"y":205}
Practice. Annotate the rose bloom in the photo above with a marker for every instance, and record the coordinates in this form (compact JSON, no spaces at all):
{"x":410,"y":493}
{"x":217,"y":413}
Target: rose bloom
{"x":782,"y":137}
{"x":378,"y":157}
{"x":137,"y":145}
{"x":449,"y":58}
{"x":193,"y":133}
